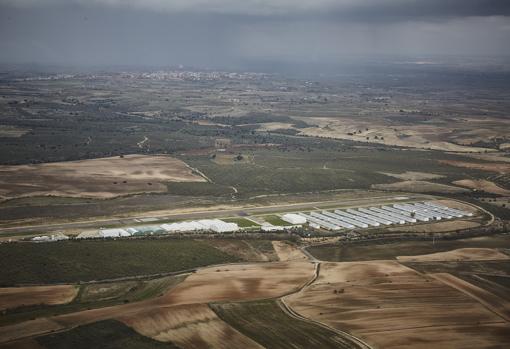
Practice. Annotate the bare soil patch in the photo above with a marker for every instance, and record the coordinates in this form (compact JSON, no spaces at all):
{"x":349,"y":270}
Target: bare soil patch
{"x":461,"y":254}
{"x":288,"y":252}
{"x":13,"y":297}
{"x":95,"y":178}
{"x":412,"y":136}
{"x":483,"y":185}
{"x":498,"y":305}
{"x":12,"y":131}
{"x":413,"y":176}
{"x":392,"y":306}
{"x":189,"y":326}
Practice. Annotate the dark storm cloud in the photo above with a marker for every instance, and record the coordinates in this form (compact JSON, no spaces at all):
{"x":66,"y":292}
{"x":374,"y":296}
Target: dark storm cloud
{"x":229,"y":32}
{"x":348,"y":9}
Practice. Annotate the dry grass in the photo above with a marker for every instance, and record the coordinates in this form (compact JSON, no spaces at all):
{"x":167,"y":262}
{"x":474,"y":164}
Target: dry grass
{"x":13,"y":297}
{"x":96,"y":178}
{"x":412,"y":136}
{"x":436,"y":227}
{"x":483,"y":185}
{"x":189,"y":326}
{"x":392,"y":306}
{"x":461,"y":254}
{"x":12,"y":131}
{"x":288,"y":252}
{"x":413,"y":176}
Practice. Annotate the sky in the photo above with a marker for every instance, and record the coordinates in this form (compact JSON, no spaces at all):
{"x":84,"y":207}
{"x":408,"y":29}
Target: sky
{"x":247,"y":33}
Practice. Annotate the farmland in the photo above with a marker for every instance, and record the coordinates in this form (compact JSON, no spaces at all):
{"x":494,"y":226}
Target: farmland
{"x":269,"y":325}
{"x":87,"y":151}
{"x":76,"y":261}
{"x":393,"y":249}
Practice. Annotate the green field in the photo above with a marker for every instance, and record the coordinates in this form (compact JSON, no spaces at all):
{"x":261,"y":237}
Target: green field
{"x":390,"y":250}
{"x":266,"y":323}
{"x":275,"y":220}
{"x":108,"y":334}
{"x":74,"y":261}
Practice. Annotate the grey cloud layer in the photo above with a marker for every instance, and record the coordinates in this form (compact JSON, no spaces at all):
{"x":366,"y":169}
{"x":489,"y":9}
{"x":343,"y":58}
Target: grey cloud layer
{"x":339,"y":8}
{"x":212,"y":33}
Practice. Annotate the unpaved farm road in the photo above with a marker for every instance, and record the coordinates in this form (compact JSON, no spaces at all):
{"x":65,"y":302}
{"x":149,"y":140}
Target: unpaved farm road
{"x":235,"y":211}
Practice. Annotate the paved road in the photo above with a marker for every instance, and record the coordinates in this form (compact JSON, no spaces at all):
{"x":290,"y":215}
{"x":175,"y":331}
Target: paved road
{"x":48,"y":228}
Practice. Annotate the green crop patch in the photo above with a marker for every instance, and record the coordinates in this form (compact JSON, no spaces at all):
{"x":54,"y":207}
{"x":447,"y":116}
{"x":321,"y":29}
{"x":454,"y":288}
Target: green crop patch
{"x":266,"y":323}
{"x":74,"y":261}
{"x":109,"y":334}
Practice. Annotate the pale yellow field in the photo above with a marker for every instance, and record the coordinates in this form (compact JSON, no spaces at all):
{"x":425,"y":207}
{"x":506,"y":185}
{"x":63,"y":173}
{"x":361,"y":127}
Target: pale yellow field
{"x":483,"y":185}
{"x":188,"y":326}
{"x":95,"y":178}
{"x":13,"y":297}
{"x":461,"y":254}
{"x":391,"y":306}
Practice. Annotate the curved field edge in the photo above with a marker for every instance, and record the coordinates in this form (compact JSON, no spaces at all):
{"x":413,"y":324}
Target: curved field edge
{"x":109,"y":334}
{"x":265,"y":322}
{"x":385,"y":250}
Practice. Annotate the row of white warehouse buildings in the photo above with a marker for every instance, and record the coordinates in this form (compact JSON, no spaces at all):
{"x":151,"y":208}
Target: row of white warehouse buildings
{"x":404,"y":213}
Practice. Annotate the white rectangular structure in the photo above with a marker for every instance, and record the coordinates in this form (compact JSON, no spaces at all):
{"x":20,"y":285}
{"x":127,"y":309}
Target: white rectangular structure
{"x":113,"y":233}
{"x":318,"y":222}
{"x":448,"y":209}
{"x":357,"y":218}
{"x":383,"y":215}
{"x":398,"y":214}
{"x":420,"y":212}
{"x":369,"y":216}
{"x":293,"y":218}
{"x":332,"y":220}
{"x":345,"y":219}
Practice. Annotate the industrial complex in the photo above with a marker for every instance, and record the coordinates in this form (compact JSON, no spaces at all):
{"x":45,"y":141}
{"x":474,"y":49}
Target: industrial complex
{"x":332,"y":220}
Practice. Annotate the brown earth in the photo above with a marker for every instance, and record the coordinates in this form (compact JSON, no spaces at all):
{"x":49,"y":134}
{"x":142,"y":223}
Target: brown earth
{"x":235,"y":282}
{"x":13,"y":297}
{"x":23,"y":344}
{"x":489,"y":166}
{"x":188,"y":326}
{"x":496,"y":304}
{"x":461,"y":254}
{"x":392,"y":306}
{"x":483,"y":185}
{"x":95,"y":178}
{"x":436,"y":227}
{"x":288,"y":252}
